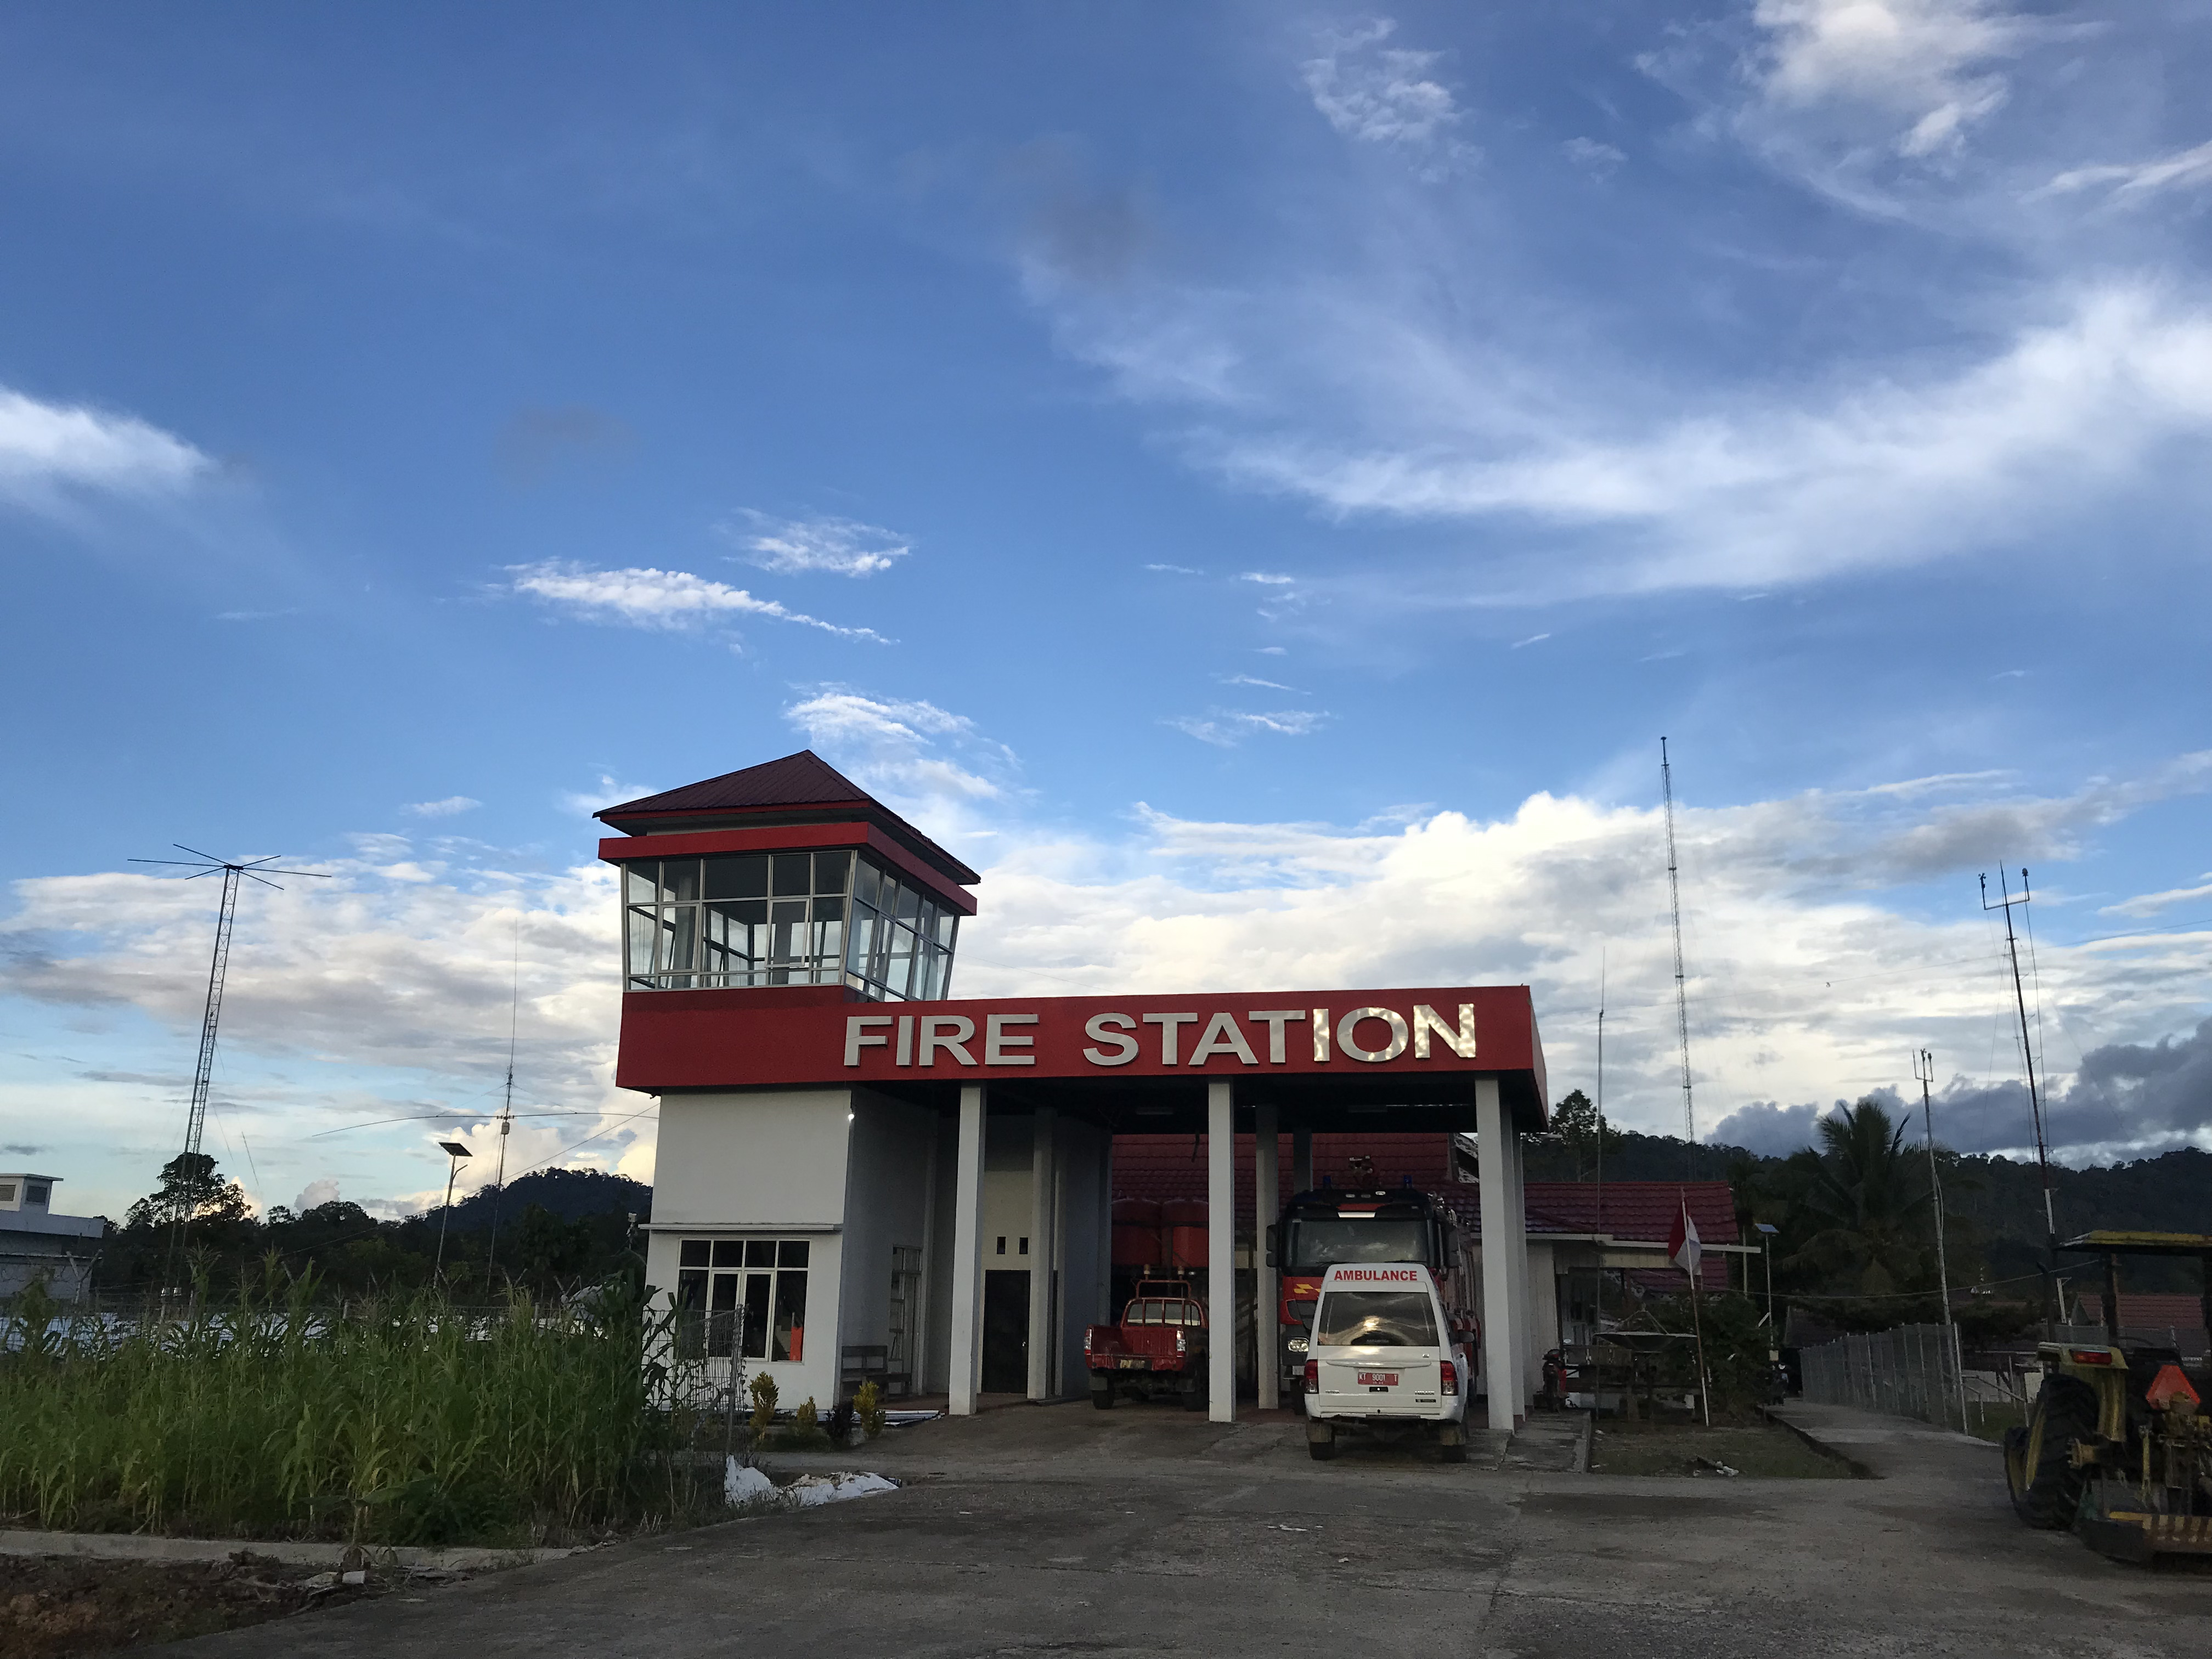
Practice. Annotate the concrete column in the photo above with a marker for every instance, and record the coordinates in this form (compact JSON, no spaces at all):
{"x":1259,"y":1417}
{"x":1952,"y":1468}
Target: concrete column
{"x":1525,"y":1311}
{"x":967,"y":1344}
{"x":1501,"y":1341}
{"x":1221,"y":1252}
{"x":1044,"y":1224}
{"x":1266,"y":1203}
{"x":1105,"y":1312}
{"x":1302,"y":1160}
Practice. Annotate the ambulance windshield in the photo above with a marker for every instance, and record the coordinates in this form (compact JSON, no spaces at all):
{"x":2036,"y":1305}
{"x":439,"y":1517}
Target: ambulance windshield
{"x":1376,"y":1319}
{"x":1318,"y":1244}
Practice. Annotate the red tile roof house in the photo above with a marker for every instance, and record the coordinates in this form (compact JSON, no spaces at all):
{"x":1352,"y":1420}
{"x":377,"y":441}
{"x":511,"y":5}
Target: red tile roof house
{"x":2167,"y":1319}
{"x":1571,"y":1240}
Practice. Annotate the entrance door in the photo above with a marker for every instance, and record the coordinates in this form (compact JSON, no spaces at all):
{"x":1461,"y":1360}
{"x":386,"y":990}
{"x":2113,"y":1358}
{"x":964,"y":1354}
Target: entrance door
{"x":1006,"y":1331}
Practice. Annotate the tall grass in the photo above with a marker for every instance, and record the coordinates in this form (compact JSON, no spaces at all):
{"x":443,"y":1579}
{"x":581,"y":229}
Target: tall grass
{"x":405,"y":1421}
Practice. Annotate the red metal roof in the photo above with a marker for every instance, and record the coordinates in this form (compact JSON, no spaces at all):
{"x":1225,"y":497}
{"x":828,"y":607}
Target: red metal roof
{"x":804,"y":785}
{"x":2182,"y":1312}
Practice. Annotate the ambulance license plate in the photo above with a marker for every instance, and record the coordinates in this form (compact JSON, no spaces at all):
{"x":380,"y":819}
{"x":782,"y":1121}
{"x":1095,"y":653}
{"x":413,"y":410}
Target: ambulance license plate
{"x":1378,"y":1379}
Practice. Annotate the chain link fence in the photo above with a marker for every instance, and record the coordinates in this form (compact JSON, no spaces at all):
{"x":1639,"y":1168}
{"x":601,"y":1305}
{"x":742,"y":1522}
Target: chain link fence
{"x":1910,"y":1371}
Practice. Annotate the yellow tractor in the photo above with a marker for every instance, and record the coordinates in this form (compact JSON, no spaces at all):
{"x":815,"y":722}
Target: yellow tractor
{"x":2115,"y":1446}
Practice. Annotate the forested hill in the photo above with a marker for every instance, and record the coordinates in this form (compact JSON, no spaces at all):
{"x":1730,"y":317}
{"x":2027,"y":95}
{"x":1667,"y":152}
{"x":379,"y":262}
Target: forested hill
{"x":572,"y":1194}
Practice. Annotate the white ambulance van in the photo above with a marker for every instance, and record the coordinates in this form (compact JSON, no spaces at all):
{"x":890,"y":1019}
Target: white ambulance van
{"x":1381,"y":1361}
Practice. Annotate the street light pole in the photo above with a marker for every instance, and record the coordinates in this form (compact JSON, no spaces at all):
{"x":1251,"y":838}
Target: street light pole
{"x":1766,"y":1249}
{"x":455,"y":1153}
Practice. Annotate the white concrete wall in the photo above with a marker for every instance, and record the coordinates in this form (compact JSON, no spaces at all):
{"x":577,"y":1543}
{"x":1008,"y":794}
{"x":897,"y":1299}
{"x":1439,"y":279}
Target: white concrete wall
{"x":772,"y":1158}
{"x":1543,"y":1300}
{"x":768,"y":1162}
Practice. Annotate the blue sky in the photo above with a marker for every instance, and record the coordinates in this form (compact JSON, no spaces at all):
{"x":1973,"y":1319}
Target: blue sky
{"x":1259,"y":482}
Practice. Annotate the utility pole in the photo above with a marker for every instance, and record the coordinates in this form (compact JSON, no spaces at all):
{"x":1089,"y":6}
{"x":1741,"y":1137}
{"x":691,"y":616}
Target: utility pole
{"x":1681,"y":985}
{"x":2005,"y":902}
{"x":1924,"y":1068}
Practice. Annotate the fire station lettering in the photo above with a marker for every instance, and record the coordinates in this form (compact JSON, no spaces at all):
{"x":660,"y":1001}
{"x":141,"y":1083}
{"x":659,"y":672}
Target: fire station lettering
{"x":1347,"y":1034}
{"x":1111,"y":1028}
{"x":948,"y":1033}
{"x":997,"y":1041}
{"x":1369,"y":1036}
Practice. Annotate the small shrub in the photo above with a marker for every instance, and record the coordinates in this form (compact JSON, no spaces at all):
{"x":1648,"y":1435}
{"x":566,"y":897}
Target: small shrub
{"x":868,"y":1406}
{"x":807,"y":1419}
{"x":764,"y":1392}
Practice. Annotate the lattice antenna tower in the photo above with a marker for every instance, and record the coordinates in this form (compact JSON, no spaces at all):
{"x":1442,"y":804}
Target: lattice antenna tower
{"x":1682,"y":984}
{"x":233,"y":871}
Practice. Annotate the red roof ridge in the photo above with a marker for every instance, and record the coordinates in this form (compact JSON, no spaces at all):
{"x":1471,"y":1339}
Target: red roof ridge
{"x":796,"y":787}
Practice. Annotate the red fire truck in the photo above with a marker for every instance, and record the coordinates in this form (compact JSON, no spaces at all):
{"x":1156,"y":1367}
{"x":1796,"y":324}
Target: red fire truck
{"x":1330,"y":1225}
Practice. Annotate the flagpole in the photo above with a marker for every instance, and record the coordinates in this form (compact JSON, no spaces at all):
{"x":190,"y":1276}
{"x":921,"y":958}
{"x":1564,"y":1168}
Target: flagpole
{"x":1704,"y":1377}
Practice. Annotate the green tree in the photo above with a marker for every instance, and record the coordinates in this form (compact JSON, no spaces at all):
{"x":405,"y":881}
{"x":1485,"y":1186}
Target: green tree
{"x":1576,"y":1122}
{"x":1862,"y":1220}
{"x":191,"y":1184}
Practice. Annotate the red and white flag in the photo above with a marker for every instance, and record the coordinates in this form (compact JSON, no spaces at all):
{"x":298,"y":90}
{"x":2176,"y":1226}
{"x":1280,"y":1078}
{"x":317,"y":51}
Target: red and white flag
{"x":1683,"y":1247}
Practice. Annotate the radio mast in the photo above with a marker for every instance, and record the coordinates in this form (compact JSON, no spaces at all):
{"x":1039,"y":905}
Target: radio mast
{"x":202,"y":863}
{"x":2005,"y":902}
{"x":1681,"y":985}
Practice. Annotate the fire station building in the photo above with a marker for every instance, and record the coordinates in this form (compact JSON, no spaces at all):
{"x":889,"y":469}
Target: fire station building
{"x":859,"y":1174}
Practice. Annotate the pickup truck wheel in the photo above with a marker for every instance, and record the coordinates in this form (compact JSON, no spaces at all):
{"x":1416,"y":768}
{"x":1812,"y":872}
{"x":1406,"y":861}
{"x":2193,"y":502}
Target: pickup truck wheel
{"x":1194,"y":1397}
{"x":1320,"y":1450}
{"x":1101,"y":1393}
{"x":1453,"y":1452}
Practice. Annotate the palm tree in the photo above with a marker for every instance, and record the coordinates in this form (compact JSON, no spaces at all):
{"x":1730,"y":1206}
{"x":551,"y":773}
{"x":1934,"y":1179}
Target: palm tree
{"x":1862,"y":1212}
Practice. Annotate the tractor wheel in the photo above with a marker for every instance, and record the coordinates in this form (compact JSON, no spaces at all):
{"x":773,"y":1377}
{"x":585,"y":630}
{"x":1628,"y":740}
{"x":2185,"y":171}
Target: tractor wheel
{"x":1101,"y":1393}
{"x":2039,"y":1472}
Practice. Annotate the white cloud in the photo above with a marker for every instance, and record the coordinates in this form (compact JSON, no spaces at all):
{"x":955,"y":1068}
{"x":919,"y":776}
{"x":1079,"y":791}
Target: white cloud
{"x":1174,"y":570}
{"x":844,"y":547}
{"x":449,"y":807}
{"x":2190,"y":167}
{"x":1265,"y":685}
{"x":1589,"y":152}
{"x":384,"y":993}
{"x":1375,"y":93}
{"x":1266,"y":579}
{"x":1226,"y":728}
{"x":1533,"y":639}
{"x":584,"y":802}
{"x":911,"y":752}
{"x":2148,"y":904}
{"x":315,"y":1194}
{"x":1923,"y":66}
{"x":647,"y":598}
{"x":1883,"y":472}
{"x":45,"y":448}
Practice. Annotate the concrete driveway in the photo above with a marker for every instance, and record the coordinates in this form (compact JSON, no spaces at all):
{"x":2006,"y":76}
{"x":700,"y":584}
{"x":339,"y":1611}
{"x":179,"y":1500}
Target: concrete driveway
{"x":1146,"y":1531}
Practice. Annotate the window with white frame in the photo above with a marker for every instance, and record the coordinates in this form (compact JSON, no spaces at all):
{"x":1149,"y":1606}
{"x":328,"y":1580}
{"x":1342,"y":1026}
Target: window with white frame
{"x":741,"y":1296}
{"x":755,"y":919}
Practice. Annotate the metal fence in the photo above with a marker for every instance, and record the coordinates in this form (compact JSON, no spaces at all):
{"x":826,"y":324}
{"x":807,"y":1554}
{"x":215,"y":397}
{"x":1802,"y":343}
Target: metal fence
{"x":1910,"y":1371}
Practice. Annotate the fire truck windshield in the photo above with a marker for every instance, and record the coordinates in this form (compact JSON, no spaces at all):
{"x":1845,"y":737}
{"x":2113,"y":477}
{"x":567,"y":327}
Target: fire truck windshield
{"x":1317,"y":1245}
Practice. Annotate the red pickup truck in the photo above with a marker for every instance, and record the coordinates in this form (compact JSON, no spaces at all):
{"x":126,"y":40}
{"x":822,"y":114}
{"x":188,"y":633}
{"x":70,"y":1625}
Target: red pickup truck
{"x":1158,"y":1350}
